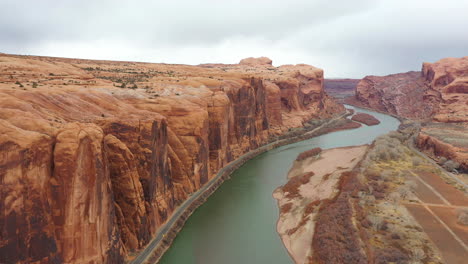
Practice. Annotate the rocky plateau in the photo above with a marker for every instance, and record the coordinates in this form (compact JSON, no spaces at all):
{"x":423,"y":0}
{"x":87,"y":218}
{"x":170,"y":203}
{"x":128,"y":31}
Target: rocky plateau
{"x":96,"y":155}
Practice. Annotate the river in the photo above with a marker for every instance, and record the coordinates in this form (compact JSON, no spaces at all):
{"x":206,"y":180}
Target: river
{"x":237,"y":224}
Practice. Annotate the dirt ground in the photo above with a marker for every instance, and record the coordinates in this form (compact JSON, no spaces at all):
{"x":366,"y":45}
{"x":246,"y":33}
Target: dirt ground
{"x":436,"y":213}
{"x":451,"y":249}
{"x":450,"y":193}
{"x":449,"y":217}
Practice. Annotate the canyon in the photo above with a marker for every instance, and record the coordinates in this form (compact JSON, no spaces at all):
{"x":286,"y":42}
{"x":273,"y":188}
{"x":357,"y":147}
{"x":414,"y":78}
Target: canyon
{"x":340,"y":88}
{"x":96,"y":155}
{"x":391,"y":201}
{"x":436,"y":96}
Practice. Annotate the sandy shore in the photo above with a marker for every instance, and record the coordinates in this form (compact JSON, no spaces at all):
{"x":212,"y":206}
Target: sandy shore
{"x":311,"y":181}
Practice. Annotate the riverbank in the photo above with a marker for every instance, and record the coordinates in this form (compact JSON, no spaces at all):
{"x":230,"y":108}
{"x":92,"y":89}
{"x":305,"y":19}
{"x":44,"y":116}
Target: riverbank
{"x":458,"y":178}
{"x":311,"y":181}
{"x":239,"y":220}
{"x":366,"y":195}
{"x":163,"y":240}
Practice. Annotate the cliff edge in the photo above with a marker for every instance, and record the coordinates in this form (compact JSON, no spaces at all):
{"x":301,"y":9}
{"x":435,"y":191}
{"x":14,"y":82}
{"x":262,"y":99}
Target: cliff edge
{"x":96,"y":155}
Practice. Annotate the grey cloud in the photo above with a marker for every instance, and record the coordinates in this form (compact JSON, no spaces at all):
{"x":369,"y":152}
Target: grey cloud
{"x":346,"y":38}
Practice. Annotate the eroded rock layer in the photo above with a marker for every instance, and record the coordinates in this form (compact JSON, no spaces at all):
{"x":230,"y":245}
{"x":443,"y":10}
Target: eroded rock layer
{"x":96,"y":155}
{"x":438,"y":95}
{"x":439,"y":92}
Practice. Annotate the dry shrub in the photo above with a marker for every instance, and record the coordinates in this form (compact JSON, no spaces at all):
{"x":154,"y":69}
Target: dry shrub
{"x":451,"y":165}
{"x":309,"y":209}
{"x":378,"y":188}
{"x":367,"y":200}
{"x":398,"y":135}
{"x":376,"y":221}
{"x":462,"y":216}
{"x":390,"y":255}
{"x":387,"y":148}
{"x":286,"y":208}
{"x":387,"y":175}
{"x":442,"y":160}
{"x":404,"y":191}
{"x":417,"y":254}
{"x":416,"y":161}
{"x":336,"y":240}
{"x":394,"y":197}
{"x":309,"y":153}
{"x":412,"y":185}
{"x":292,"y":186}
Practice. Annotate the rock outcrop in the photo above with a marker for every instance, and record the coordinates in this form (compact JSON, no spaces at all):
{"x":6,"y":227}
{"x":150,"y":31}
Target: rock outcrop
{"x":436,"y":95}
{"x":96,"y":155}
{"x":449,"y":141}
{"x":340,"y":88}
{"x":256,"y":61}
{"x":439,"y":92}
{"x":398,"y":94}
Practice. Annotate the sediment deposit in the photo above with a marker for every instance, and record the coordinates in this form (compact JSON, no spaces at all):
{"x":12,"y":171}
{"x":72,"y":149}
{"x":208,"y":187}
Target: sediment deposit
{"x":96,"y":155}
{"x":313,"y":179}
{"x":366,"y":119}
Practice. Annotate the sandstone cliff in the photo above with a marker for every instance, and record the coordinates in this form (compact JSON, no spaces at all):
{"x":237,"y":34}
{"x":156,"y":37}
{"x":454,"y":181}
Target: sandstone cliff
{"x":340,"y":88}
{"x":437,"y":95}
{"x":439,"y":92}
{"x":96,"y":155}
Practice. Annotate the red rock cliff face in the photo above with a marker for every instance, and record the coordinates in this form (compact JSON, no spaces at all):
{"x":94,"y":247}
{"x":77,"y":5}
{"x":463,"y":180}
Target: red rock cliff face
{"x":439,"y":92}
{"x":399,"y":94}
{"x":449,"y":77}
{"x":90,"y":170}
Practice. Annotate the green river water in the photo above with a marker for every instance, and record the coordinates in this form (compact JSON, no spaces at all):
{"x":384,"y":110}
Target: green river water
{"x":237,"y":225}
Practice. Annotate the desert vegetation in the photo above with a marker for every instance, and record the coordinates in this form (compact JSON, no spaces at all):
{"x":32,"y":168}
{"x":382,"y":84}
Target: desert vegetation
{"x":393,"y":234}
{"x":309,"y":153}
{"x":367,"y":221}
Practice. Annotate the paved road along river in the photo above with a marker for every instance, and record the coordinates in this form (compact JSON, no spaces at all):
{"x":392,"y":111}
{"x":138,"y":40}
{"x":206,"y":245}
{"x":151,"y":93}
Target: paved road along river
{"x":238,"y":222}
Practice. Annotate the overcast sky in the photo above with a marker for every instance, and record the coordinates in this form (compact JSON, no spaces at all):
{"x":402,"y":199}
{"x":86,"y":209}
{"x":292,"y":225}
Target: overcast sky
{"x":345,"y":38}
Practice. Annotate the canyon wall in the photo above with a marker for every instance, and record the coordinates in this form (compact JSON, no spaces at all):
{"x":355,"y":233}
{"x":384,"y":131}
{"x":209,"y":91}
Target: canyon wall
{"x":96,"y":155}
{"x":437,"y":96}
{"x":340,"y":88}
{"x":439,"y":92}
